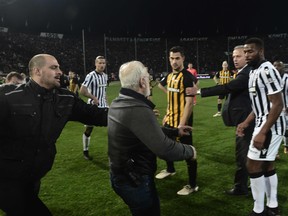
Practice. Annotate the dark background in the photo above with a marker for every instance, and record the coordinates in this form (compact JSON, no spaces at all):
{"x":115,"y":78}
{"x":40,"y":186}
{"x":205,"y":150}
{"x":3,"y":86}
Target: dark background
{"x":146,"y":18}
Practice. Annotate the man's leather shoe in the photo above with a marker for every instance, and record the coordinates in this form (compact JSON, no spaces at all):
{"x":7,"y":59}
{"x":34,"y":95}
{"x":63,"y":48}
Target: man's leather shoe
{"x":236,"y":192}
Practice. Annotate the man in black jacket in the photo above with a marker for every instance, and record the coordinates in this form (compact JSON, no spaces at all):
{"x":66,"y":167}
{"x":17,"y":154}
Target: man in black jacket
{"x":32,"y":117}
{"x":240,"y":108}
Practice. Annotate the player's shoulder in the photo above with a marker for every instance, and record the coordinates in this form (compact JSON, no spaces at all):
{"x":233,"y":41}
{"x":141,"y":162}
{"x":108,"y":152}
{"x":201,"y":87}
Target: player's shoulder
{"x":266,"y":67}
{"x":187,"y":73}
{"x":90,"y":73}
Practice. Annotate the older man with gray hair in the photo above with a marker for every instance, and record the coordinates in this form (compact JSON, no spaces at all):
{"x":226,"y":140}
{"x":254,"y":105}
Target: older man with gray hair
{"x":135,"y":138}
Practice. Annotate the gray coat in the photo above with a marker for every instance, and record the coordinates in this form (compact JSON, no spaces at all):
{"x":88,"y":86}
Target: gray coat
{"x":134,"y":134}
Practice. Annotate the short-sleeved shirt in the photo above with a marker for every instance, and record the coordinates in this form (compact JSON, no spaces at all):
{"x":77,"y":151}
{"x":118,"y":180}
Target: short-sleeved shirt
{"x":97,"y":83}
{"x":224,"y":76}
{"x":264,"y":81}
{"x":285,"y":89}
{"x":176,"y":84}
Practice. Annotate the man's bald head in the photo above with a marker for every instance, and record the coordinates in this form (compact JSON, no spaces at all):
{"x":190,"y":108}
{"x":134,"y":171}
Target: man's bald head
{"x":37,"y":61}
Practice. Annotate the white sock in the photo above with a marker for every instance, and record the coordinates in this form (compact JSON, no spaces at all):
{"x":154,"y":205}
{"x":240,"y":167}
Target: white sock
{"x":272,"y":181}
{"x":86,"y":142}
{"x":258,"y":192}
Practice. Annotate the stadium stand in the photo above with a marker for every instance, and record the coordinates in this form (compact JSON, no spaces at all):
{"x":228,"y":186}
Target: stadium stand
{"x":205,"y":52}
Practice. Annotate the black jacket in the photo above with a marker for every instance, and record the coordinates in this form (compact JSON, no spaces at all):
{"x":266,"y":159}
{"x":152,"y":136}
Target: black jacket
{"x":240,"y":102}
{"x":32,"y":119}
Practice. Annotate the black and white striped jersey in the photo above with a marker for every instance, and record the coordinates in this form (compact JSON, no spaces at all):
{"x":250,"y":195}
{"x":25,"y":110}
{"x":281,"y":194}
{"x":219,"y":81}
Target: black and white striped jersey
{"x":96,"y":83}
{"x":285,"y":89}
{"x":264,"y":81}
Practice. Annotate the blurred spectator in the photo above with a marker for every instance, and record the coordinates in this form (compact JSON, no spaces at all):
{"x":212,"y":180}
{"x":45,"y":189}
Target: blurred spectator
{"x":14,"y":78}
{"x":193,"y":71}
{"x":222,"y":77}
{"x":73,"y":82}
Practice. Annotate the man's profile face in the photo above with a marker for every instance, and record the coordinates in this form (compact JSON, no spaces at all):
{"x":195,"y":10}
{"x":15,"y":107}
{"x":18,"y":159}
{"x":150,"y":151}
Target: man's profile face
{"x":50,"y":73}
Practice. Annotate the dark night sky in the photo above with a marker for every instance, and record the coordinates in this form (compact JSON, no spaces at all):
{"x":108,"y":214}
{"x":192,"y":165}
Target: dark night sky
{"x":146,"y":17}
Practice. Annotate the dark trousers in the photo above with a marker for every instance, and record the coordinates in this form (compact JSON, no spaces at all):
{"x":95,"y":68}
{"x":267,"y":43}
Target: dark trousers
{"x":19,"y":198}
{"x":241,"y":150}
{"x":142,"y":199}
{"x":191,"y":165}
{"x":191,"y":168}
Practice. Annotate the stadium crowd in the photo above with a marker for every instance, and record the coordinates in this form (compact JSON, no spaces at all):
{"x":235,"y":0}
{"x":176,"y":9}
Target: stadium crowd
{"x":205,"y":53}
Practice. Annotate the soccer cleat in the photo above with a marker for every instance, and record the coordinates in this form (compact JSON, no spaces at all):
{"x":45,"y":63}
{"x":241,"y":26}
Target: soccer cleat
{"x":163,"y":174}
{"x":217,"y":114}
{"x":86,"y":155}
{"x":258,"y":214}
{"x":187,"y":189}
{"x":272,"y":211}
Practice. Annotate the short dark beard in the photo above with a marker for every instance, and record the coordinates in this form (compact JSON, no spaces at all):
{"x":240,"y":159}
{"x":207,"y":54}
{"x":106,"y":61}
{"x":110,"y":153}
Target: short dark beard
{"x":252,"y":64}
{"x":178,"y":69}
{"x":255,"y":63}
